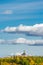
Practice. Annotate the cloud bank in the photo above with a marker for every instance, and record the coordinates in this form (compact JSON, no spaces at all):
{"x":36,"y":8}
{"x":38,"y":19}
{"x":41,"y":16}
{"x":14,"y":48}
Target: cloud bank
{"x":34,"y":30}
{"x":22,"y":41}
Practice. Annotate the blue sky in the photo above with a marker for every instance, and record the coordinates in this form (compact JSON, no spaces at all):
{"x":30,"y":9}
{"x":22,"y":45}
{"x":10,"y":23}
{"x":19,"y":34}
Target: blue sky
{"x":13,"y":13}
{"x":27,"y":12}
{"x":16,"y":12}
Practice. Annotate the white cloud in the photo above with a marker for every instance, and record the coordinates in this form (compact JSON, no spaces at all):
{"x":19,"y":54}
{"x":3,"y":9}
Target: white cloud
{"x":35,"y":30}
{"x":18,"y":54}
{"x":25,"y":41}
{"x":2,"y":41}
{"x":10,"y":29}
{"x":22,"y":41}
{"x":7,"y":12}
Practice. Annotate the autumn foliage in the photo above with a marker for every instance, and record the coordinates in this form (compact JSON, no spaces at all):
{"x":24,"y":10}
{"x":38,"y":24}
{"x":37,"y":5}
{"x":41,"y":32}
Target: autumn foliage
{"x":21,"y":60}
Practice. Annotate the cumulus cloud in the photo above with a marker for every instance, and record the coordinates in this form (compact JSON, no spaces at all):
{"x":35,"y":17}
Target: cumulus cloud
{"x":22,"y":41}
{"x":34,"y":30}
{"x":9,"y":29}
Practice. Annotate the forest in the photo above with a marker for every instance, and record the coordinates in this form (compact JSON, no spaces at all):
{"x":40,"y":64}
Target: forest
{"x":22,"y":60}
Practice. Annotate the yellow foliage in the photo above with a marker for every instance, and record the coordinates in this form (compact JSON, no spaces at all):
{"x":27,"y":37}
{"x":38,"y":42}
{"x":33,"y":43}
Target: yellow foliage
{"x":21,"y":60}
